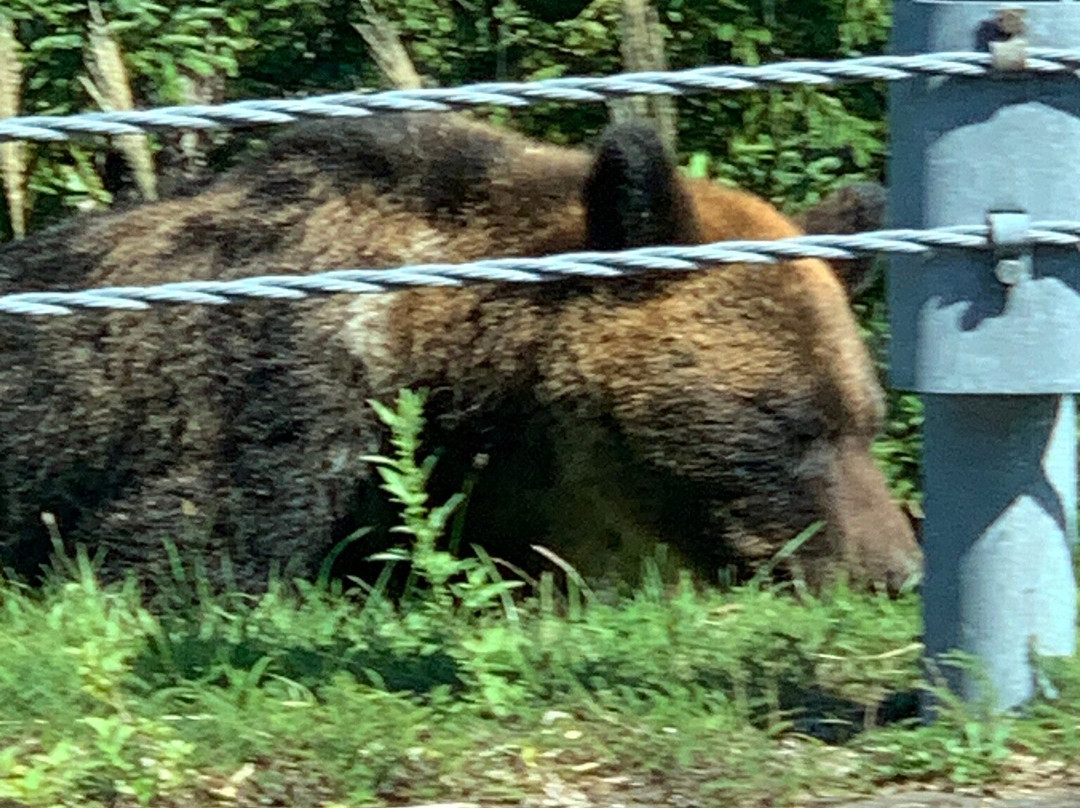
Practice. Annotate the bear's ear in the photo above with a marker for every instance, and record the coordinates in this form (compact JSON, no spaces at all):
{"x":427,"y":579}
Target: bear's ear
{"x":633,"y":197}
{"x":851,"y":209}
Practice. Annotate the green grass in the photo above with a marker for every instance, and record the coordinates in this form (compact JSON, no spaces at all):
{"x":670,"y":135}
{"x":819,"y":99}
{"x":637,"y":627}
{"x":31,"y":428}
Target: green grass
{"x":306,"y":696}
{"x":465,"y":686}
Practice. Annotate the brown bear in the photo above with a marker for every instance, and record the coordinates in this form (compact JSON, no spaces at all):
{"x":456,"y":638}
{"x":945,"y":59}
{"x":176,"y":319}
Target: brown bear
{"x":720,"y":411}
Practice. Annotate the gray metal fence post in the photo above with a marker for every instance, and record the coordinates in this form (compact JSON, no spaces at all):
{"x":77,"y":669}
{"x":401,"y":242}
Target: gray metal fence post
{"x":992,"y":341}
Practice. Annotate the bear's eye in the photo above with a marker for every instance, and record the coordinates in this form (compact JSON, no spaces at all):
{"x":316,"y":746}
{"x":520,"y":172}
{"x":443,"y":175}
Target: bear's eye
{"x":807,"y":431}
{"x":791,"y":420}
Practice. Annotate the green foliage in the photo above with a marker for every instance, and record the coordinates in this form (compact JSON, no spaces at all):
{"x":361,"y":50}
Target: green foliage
{"x":968,"y":743}
{"x":66,"y":678}
{"x":474,"y":583}
{"x":311,"y":695}
{"x":898,"y":448}
{"x":791,"y":146}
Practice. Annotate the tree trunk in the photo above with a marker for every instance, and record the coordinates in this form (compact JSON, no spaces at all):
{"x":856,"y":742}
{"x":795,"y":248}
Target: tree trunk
{"x":643,"y":49}
{"x":386,"y":49}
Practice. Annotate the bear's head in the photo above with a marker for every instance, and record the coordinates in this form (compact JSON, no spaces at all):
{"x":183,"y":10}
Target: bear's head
{"x":723,"y":410}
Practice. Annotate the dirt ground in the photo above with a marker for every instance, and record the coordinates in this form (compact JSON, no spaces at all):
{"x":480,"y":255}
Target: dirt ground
{"x":1056,"y":798}
{"x":556,"y":794}
{"x":618,"y":792}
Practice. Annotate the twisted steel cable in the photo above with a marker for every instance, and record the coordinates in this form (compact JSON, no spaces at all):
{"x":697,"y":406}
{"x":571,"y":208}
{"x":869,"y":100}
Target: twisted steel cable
{"x":530,"y":270}
{"x":722,"y":78}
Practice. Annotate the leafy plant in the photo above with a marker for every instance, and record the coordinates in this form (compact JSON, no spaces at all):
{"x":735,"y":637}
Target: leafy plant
{"x":967,"y":743}
{"x":474,"y":582}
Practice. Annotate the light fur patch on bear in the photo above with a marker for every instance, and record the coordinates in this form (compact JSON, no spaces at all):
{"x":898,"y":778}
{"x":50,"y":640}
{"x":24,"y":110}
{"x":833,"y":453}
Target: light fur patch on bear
{"x":368,"y":337}
{"x":368,"y":333}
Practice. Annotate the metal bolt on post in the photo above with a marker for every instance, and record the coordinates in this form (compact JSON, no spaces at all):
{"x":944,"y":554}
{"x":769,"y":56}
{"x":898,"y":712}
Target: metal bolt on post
{"x":991,"y":340}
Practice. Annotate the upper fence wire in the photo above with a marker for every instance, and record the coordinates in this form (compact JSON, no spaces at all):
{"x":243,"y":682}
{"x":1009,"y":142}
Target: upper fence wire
{"x":578,"y":89}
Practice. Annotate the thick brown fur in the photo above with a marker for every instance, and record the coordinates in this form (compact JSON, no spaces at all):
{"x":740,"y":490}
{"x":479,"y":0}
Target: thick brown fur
{"x":722,"y":410}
